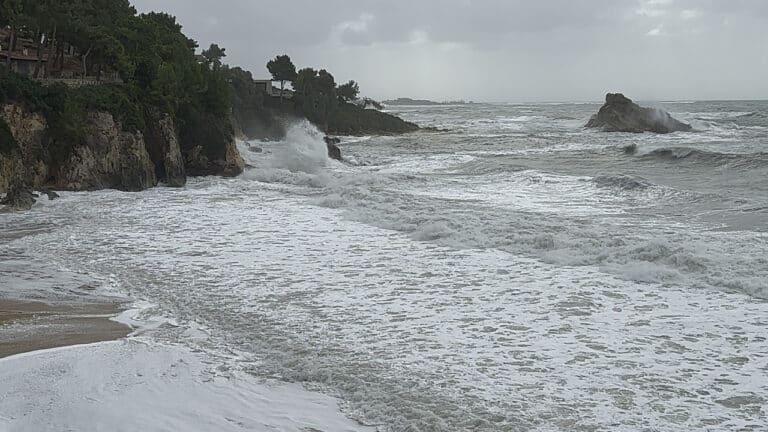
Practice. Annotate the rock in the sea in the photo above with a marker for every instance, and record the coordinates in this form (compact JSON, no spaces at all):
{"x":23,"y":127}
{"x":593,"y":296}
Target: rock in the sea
{"x":19,"y":197}
{"x":52,"y":195}
{"x":630,"y":149}
{"x":620,"y":114}
{"x":231,"y":164}
{"x":334,"y":152}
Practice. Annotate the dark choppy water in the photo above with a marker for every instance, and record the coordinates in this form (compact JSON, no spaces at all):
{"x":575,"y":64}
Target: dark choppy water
{"x":516,"y":272}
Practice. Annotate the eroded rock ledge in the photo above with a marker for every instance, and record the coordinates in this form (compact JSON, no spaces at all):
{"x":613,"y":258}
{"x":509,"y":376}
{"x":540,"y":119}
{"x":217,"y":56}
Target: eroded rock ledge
{"x":108,"y":157}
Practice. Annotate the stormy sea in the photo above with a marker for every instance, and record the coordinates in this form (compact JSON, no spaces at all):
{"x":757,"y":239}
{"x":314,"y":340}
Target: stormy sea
{"x":508,"y":271}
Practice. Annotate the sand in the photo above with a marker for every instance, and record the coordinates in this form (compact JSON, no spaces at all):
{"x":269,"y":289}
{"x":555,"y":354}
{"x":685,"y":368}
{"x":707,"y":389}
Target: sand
{"x":30,"y":326}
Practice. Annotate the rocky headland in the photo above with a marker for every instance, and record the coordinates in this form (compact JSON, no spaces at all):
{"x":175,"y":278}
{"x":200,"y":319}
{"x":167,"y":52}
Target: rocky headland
{"x":153,"y":111}
{"x":107,"y":157}
{"x":620,"y":114}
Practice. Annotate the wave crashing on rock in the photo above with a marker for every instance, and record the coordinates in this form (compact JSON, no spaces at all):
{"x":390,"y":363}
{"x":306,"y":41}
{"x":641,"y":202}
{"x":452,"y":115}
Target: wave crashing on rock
{"x":620,"y":114}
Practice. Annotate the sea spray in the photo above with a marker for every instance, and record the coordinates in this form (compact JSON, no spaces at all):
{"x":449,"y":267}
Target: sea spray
{"x":299,"y":159}
{"x":303,"y":151}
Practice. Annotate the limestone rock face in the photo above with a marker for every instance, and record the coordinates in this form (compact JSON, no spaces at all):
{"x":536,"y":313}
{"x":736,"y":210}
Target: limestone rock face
{"x":620,"y":114}
{"x":106,"y":157}
{"x":109,"y":158}
{"x":231,"y":165}
{"x":234,"y":165}
{"x":175,"y":174}
{"x":163,"y":145}
{"x":25,"y":163}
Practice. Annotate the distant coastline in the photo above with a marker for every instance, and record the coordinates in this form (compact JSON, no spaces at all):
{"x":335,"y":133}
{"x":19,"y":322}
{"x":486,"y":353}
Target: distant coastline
{"x":421,"y":102}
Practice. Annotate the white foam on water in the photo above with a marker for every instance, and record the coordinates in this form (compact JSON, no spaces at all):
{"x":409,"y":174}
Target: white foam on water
{"x":418,"y":335}
{"x":300,"y":158}
{"x":425,"y":297}
{"x":138,"y":385}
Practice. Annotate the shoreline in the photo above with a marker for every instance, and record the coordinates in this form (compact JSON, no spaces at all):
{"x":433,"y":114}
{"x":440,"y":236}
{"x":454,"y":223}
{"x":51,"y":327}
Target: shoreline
{"x":27,"y":326}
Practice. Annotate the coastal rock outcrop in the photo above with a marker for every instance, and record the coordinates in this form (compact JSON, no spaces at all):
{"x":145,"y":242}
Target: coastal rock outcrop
{"x":165,"y":150}
{"x":25,"y":161}
{"x":19,"y":197}
{"x":334,"y":152}
{"x":109,"y":158}
{"x":104,"y":156}
{"x":620,"y":114}
{"x":231,"y":164}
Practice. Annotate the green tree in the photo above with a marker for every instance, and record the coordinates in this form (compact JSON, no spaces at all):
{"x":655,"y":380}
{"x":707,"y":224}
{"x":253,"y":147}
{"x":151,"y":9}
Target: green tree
{"x":282,"y":69}
{"x":315,"y":95}
{"x":370,"y":102}
{"x":213,"y":55}
{"x":348,"y":92}
{"x":11,"y":14}
{"x":305,"y":81}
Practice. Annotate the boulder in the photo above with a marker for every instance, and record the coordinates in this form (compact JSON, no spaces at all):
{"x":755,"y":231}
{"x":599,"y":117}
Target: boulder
{"x":52,"y":195}
{"x":620,"y":114}
{"x":334,"y":152}
{"x":231,"y":164}
{"x":19,"y":196}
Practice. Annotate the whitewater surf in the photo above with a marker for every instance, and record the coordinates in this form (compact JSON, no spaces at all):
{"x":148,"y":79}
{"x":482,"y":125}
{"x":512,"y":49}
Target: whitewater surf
{"x":513,"y":271}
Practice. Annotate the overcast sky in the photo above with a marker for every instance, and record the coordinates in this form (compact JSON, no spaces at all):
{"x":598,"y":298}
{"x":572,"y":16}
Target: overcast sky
{"x":499,"y":50}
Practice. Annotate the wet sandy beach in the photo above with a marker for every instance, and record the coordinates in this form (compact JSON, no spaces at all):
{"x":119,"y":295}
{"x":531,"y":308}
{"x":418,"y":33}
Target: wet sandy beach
{"x":30,"y":326}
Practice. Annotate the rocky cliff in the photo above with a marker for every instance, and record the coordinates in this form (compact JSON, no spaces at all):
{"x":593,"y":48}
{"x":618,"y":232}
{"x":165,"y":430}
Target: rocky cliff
{"x":106,"y":157}
{"x":620,"y":114}
{"x":109,"y":158}
{"x":23,"y":164}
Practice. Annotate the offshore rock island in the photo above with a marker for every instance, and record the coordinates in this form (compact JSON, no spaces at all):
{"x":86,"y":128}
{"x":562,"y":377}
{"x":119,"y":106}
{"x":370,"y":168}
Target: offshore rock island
{"x":620,"y":114}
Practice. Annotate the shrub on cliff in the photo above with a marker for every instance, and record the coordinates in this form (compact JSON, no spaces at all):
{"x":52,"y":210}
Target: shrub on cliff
{"x":65,"y":108}
{"x":7,"y":141}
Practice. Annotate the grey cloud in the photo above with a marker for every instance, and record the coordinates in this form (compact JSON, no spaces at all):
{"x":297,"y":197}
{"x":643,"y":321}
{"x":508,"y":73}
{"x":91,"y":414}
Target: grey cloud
{"x":500,"y":49}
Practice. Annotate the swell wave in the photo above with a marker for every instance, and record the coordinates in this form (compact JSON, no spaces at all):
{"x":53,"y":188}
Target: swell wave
{"x":629,"y":252}
{"x":623,"y":182}
{"x":708,"y":158}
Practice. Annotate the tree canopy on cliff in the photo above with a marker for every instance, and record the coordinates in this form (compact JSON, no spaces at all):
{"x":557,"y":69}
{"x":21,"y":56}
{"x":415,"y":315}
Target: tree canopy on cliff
{"x":282,"y":69}
{"x":315,"y":95}
{"x":349,"y":91}
{"x":214,"y":54}
{"x":154,"y":59}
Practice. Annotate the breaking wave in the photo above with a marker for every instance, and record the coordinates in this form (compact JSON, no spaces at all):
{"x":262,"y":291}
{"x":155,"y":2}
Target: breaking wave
{"x":300,"y":158}
{"x":633,"y":253}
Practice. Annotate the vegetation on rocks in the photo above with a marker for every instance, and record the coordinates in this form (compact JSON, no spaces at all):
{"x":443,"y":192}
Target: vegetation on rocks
{"x":154,"y":59}
{"x":164,"y":112}
{"x":7,"y":141}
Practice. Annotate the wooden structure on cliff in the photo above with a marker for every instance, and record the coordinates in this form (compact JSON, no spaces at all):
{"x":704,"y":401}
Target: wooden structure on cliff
{"x":25,"y":58}
{"x":271,"y":90}
{"x":21,"y":62}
